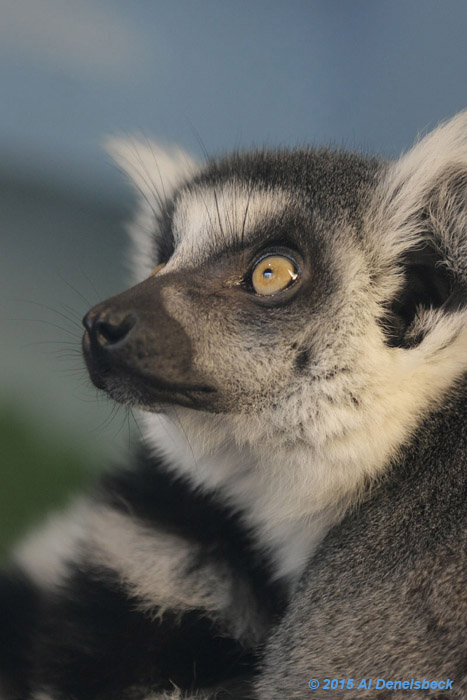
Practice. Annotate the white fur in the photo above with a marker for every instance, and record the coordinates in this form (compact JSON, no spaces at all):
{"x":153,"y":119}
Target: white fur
{"x":152,"y":565}
{"x":155,"y":171}
{"x":428,"y":166}
{"x":45,"y":554}
{"x":209,"y":219}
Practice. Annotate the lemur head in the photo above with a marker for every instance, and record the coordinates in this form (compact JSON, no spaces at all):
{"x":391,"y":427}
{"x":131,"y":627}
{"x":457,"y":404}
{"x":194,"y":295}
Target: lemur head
{"x":288,"y":283}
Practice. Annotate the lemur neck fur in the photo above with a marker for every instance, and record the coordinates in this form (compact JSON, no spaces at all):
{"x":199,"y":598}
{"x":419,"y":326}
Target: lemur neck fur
{"x":293,"y":473}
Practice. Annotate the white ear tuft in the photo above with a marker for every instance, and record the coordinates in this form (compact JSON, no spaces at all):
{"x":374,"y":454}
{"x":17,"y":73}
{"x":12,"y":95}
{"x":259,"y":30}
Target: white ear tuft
{"x":155,"y":172}
{"x":423,"y":197}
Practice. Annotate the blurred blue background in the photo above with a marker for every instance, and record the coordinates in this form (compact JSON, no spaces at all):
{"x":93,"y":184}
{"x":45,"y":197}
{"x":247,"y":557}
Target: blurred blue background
{"x":363,"y":74}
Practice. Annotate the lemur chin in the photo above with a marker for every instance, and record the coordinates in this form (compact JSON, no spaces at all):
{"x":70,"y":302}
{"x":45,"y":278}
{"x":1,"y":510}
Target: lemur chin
{"x":297,"y":342}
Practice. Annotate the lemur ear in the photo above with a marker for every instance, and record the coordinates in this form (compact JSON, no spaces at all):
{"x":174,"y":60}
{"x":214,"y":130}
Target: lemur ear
{"x":421,"y":228}
{"x":155,"y":172}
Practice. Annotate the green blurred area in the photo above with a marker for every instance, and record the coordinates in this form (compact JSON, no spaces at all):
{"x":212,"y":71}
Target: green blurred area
{"x":62,"y":252}
{"x":39,"y":472}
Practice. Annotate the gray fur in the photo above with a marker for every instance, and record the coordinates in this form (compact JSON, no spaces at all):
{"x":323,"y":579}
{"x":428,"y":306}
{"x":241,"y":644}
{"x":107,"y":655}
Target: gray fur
{"x":385,"y":595}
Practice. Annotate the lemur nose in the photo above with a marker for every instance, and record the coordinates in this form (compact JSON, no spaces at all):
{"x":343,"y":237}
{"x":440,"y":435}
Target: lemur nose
{"x":108,"y":328}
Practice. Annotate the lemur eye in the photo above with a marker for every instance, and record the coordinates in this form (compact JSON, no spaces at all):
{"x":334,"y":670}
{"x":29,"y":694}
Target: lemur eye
{"x":273,"y":274}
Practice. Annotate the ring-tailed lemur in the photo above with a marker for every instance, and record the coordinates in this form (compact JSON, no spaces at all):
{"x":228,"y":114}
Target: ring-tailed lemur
{"x":298,"y":342}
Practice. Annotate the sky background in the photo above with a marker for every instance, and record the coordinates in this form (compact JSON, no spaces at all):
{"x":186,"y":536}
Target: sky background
{"x":358,"y":73}
{"x":205,"y":74}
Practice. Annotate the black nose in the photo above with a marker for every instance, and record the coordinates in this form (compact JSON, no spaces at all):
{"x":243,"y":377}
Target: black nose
{"x":108,"y":328}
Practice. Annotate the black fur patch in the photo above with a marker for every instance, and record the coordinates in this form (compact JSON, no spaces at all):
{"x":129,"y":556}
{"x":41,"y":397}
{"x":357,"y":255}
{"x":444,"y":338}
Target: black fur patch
{"x":301,"y":361}
{"x":165,"y":241}
{"x":95,"y":643}
{"x":19,"y":607}
{"x":427,"y":285}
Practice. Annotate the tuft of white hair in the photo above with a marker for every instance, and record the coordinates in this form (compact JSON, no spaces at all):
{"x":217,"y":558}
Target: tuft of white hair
{"x":431,"y":178}
{"x":155,"y":171}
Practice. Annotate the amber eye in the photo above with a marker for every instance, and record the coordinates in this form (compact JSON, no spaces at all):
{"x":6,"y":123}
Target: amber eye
{"x":273,"y":274}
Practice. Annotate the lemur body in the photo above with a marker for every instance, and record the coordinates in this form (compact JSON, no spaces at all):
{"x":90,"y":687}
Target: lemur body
{"x":300,"y":507}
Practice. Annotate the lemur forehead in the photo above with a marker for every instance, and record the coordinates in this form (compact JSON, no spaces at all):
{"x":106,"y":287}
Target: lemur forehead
{"x":209,"y":219}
